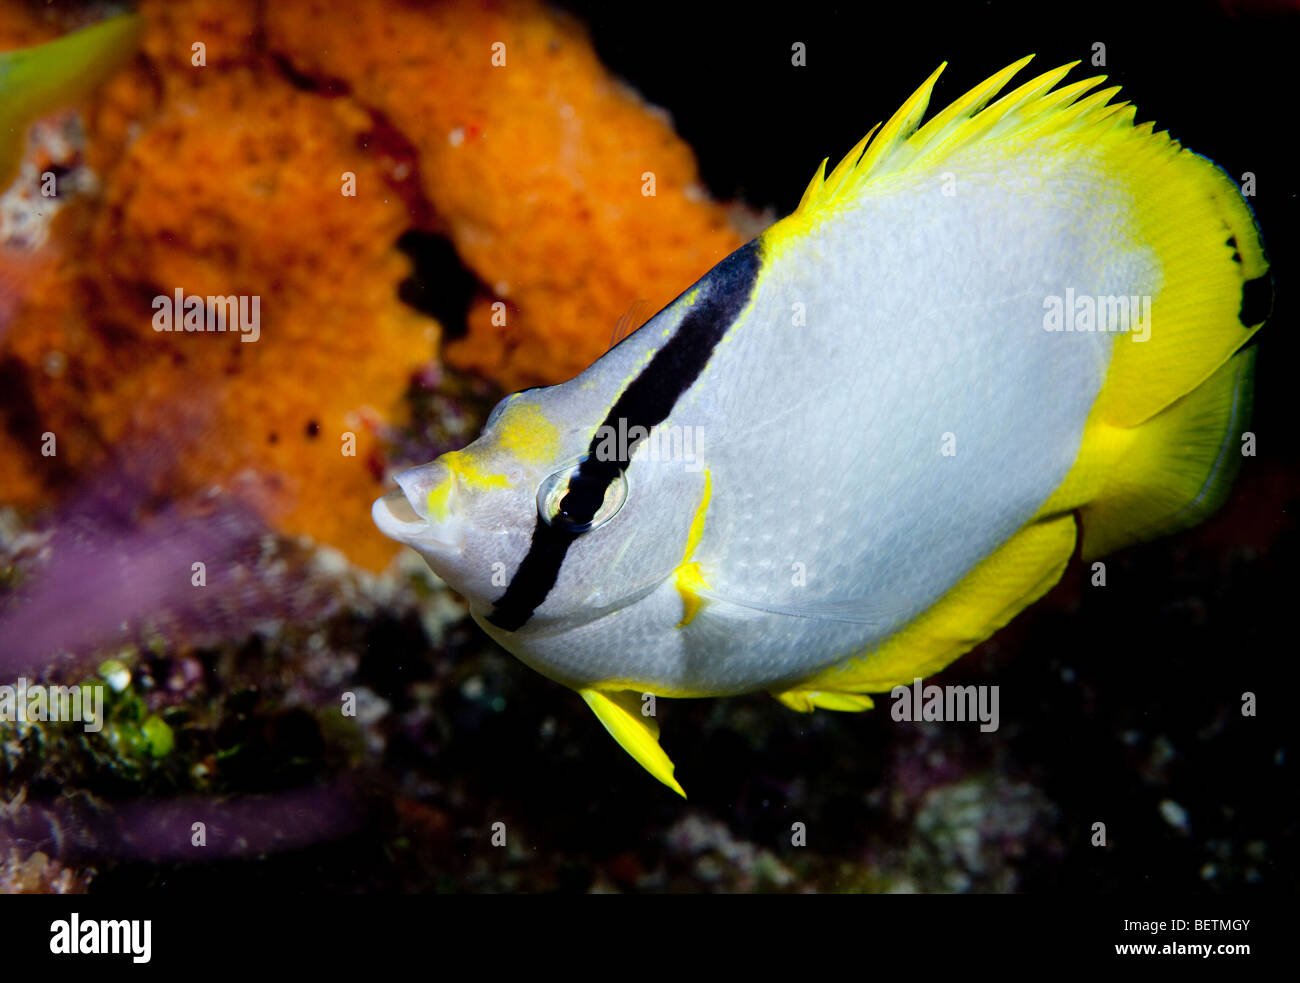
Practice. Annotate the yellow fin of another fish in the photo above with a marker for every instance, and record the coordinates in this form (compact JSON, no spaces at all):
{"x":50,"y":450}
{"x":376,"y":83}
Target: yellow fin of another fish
{"x":38,"y":80}
{"x":808,"y":700}
{"x":1015,"y":575}
{"x":635,"y":732}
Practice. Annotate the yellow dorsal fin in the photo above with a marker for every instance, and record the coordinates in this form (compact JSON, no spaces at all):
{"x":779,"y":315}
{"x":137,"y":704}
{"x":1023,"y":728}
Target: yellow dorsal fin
{"x":813,"y":191}
{"x":638,"y":735}
{"x":830,"y":188}
{"x":901,"y":125}
{"x":1033,"y":107}
{"x":944,"y":122}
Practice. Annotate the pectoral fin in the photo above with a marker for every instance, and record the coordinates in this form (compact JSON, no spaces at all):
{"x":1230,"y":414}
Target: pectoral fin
{"x":638,"y":734}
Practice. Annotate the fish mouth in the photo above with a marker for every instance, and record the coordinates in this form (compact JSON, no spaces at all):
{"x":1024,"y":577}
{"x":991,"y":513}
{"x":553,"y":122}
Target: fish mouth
{"x":403,"y":514}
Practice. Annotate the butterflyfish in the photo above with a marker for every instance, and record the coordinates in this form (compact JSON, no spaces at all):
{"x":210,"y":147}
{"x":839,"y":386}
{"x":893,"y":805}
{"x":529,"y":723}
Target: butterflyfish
{"x":868,"y":438}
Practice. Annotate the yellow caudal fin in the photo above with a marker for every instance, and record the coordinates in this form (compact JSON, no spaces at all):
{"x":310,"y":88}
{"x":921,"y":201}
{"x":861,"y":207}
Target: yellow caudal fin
{"x":1171,"y":471}
{"x":1015,"y":575}
{"x":40,"y":79}
{"x":622,"y":715}
{"x":1215,"y":287}
{"x":1161,"y":446}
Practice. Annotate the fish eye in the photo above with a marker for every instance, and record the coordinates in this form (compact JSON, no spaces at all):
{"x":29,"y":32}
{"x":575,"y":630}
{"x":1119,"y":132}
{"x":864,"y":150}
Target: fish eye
{"x":579,"y":501}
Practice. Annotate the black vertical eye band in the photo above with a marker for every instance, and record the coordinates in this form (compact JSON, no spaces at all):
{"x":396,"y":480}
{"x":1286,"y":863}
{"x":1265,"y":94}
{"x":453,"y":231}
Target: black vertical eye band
{"x":645,"y":403}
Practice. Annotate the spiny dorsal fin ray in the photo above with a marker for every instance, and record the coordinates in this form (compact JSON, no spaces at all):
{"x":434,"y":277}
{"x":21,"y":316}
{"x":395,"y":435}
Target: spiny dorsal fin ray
{"x":1035,"y":105}
{"x":901,"y":125}
{"x":973,"y":101}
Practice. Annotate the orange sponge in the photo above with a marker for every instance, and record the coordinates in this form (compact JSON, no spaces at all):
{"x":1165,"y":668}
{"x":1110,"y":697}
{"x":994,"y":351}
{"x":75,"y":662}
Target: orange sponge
{"x":569,"y":197}
{"x":224,"y":153}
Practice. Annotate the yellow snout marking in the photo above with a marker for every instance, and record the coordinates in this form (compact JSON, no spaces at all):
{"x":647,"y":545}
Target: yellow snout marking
{"x":524,"y":434}
{"x":439,"y":500}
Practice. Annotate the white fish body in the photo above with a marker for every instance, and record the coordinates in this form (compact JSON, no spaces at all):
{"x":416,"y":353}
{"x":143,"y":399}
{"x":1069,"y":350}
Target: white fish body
{"x":868,"y":433}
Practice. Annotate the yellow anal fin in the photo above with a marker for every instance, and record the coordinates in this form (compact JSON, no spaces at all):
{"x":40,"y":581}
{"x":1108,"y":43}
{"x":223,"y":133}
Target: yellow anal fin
{"x":808,"y":700}
{"x":637,"y":734}
{"x":1015,"y":575}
